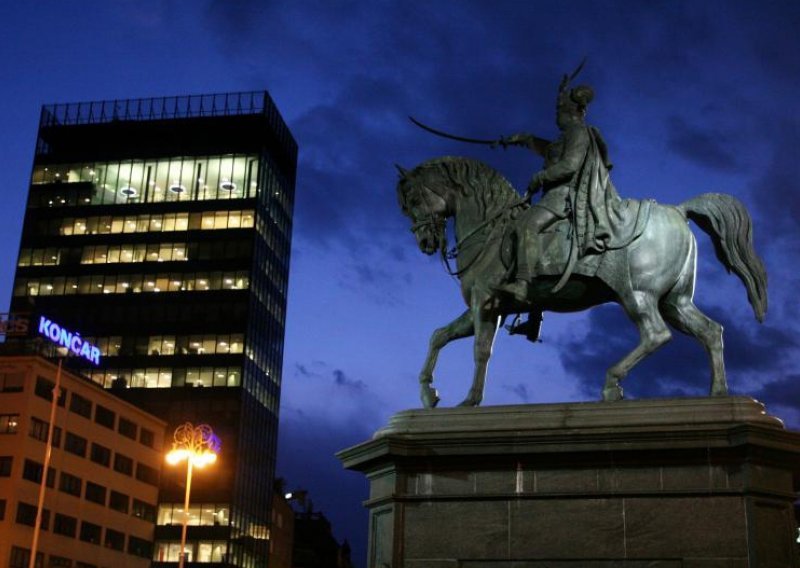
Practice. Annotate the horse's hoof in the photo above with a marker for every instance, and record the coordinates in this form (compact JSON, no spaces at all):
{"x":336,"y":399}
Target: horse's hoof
{"x":429,"y":396}
{"x":719,"y":391}
{"x":612,"y":394}
{"x":470,"y":401}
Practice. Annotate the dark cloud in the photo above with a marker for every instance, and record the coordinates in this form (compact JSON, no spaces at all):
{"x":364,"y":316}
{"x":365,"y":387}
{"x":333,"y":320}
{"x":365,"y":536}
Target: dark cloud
{"x":775,"y":192}
{"x":520,"y":390}
{"x":370,"y":274}
{"x":701,"y":145}
{"x":321,"y":370}
{"x":302,"y":370}
{"x":236,"y":24}
{"x":781,"y":392}
{"x":342,"y":380}
{"x":771,"y":49}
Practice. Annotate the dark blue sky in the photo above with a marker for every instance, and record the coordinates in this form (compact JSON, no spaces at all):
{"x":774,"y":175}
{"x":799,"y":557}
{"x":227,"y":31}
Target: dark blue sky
{"x":691,"y":97}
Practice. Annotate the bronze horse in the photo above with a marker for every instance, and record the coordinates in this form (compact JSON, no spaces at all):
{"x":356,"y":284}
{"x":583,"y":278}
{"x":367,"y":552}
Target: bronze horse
{"x":652,"y":278}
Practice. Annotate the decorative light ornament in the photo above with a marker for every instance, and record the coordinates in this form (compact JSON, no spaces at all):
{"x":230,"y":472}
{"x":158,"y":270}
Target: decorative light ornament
{"x":129,"y":191}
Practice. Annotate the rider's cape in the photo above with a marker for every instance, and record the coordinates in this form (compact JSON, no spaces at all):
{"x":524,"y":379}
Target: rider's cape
{"x":600,"y":220}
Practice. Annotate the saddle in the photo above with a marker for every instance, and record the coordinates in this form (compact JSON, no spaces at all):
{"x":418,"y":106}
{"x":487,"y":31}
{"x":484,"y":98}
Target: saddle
{"x":555,"y":243}
{"x":553,"y":254}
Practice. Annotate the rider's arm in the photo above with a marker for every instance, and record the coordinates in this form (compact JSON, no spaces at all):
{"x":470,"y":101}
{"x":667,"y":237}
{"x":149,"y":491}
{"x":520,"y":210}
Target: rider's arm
{"x":525,"y":140}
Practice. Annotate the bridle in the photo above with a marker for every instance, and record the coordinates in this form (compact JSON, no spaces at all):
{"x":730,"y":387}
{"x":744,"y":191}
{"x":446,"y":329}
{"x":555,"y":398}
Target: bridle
{"x":438,"y":222}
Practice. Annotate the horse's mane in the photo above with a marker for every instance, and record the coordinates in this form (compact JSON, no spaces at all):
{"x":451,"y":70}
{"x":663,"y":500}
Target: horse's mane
{"x":474,"y":179}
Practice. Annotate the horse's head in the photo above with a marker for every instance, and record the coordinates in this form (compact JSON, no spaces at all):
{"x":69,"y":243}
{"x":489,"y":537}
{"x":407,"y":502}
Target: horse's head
{"x":425,"y":206}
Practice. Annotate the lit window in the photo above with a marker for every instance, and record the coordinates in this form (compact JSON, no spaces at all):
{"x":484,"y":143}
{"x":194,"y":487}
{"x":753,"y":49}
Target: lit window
{"x":9,"y":423}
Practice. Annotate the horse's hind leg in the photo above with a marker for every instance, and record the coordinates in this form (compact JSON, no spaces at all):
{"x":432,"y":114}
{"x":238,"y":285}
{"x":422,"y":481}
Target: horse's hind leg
{"x":459,"y":328}
{"x":680,"y":311}
{"x":642,"y":308}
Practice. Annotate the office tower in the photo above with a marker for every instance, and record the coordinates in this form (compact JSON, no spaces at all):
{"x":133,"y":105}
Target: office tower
{"x":161,"y":229}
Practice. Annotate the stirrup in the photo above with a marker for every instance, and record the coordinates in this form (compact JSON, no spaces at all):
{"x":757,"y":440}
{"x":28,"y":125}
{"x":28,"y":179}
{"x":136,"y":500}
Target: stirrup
{"x":530,"y":328}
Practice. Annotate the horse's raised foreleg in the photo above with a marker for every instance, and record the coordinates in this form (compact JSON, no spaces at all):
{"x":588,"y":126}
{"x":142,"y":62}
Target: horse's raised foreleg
{"x":486,"y":324}
{"x":642,"y":307}
{"x":460,"y":327}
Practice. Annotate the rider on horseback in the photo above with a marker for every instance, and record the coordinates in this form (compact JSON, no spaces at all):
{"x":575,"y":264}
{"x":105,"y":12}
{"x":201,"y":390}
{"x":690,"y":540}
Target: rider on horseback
{"x":575,"y":186}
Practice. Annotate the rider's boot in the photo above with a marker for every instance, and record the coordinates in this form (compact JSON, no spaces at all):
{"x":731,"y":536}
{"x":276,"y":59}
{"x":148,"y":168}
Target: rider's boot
{"x":519,"y":289}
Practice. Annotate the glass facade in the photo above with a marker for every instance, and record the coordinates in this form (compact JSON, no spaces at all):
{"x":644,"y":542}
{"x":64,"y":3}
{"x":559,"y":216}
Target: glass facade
{"x":163,"y":233}
{"x":175,"y":179}
{"x":131,"y":283}
{"x":146,"y":223}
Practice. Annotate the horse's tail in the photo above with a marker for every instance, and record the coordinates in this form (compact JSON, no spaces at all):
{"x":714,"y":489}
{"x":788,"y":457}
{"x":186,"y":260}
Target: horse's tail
{"x":726,"y":220}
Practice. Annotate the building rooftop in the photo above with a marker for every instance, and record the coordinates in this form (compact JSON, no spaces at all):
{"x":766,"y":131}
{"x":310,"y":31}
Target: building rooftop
{"x":119,"y":111}
{"x":157,"y":108}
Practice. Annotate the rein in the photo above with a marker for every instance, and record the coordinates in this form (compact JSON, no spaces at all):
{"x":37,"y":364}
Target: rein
{"x":453,"y":252}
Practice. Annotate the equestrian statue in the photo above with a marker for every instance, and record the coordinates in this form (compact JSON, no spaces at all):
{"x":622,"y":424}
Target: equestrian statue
{"x":578,"y":246}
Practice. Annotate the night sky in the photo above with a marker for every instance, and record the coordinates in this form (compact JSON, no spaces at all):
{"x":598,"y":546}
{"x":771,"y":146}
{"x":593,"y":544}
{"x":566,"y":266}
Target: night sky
{"x":691,"y":97}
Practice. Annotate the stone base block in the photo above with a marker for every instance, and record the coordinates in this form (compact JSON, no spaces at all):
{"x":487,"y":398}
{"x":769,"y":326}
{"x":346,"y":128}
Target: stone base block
{"x":679,"y":483}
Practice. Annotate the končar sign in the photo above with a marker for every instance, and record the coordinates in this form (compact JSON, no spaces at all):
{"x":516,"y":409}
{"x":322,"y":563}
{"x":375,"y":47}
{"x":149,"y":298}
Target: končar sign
{"x":71,"y":340}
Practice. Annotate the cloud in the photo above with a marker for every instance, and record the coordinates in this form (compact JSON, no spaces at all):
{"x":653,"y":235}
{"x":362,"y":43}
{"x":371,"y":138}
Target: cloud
{"x":775,"y":191}
{"x":304,"y":370}
{"x":702,"y":145}
{"x":780,"y":399}
{"x":782,"y":391}
{"x":343,"y":380}
{"x":319,"y":370}
{"x":520,"y":390}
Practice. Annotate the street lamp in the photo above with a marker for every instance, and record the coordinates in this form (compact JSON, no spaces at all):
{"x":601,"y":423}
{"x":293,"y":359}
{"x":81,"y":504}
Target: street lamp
{"x":199,"y":447}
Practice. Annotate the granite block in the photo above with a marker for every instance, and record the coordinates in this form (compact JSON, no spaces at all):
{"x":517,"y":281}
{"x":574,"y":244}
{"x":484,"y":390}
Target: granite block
{"x":566,"y":480}
{"x":382,"y":485}
{"x":381,"y":536}
{"x":498,"y":482}
{"x":452,"y":483}
{"x":716,"y":563}
{"x":577,"y":528}
{"x":687,"y":478}
{"x":642,"y":479}
{"x":775,"y":531}
{"x":683,"y":527}
{"x":455,"y":529}
{"x":768,"y":478}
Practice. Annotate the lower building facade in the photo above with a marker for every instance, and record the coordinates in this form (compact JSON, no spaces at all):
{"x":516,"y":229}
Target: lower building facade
{"x":101,"y":485}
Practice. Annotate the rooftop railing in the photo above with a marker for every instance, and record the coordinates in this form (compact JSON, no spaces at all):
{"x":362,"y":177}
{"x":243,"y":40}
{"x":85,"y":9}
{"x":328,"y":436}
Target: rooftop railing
{"x":159,"y":108}
{"x":166,"y":108}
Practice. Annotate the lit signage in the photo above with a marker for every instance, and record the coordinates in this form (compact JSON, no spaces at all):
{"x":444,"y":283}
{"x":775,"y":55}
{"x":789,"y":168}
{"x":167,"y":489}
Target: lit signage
{"x":71,"y":340}
{"x":12,"y":324}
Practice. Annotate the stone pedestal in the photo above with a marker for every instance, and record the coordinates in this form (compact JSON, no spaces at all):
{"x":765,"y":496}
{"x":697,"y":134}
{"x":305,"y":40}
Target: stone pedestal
{"x":689,"y":483}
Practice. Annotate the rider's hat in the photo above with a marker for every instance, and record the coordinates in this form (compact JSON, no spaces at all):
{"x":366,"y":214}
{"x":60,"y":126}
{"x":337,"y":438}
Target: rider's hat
{"x":574,"y":100}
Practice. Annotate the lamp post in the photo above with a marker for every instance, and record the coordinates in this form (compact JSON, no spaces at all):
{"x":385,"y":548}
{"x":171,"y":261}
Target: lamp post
{"x":46,"y":467}
{"x":199,"y":447}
